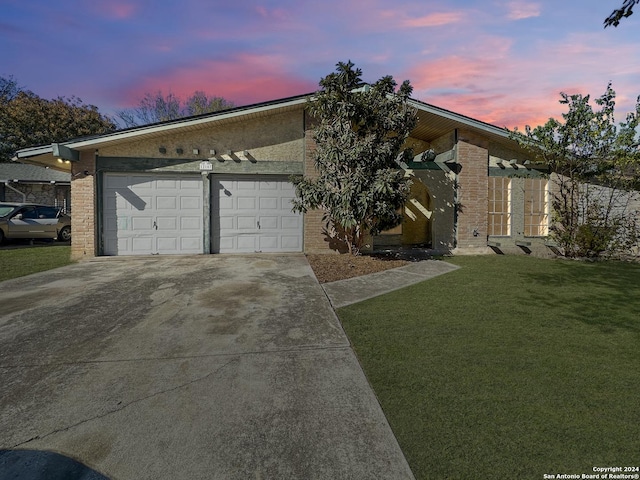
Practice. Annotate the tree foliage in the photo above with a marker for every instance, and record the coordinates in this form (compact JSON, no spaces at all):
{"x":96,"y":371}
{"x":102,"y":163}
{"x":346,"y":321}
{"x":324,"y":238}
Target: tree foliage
{"x":27,"y":120}
{"x":9,"y":88}
{"x":595,"y":166}
{"x":360,"y":133}
{"x":158,"y":107}
{"x":626,"y":10}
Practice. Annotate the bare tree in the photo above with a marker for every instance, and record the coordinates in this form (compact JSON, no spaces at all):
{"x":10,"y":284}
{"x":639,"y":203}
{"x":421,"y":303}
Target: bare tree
{"x":158,"y":107}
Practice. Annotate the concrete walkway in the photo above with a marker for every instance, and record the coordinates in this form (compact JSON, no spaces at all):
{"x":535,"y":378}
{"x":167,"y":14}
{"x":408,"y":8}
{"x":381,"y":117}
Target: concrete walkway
{"x":354,"y":290}
{"x":198,"y":367}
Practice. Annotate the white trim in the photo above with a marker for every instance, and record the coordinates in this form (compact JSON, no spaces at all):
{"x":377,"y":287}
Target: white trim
{"x":477,"y":124}
{"x":144,"y":130}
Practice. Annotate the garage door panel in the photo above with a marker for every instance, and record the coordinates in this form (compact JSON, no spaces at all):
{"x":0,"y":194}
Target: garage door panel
{"x":167,"y":223}
{"x":111,"y":224}
{"x":191,"y":223}
{"x":246,"y":203}
{"x":246,"y":243}
{"x":269,"y":185}
{"x":268,"y":243}
{"x":293,"y":242}
{"x":140,"y":182}
{"x":142,"y":244}
{"x":227,"y":244}
{"x":146,"y":214}
{"x":226,"y":223}
{"x":291,"y":223}
{"x":268,"y":223}
{"x":142,"y":223}
{"x":166,"y":203}
{"x":226,"y":203}
{"x":190,"y":202}
{"x":167,"y":244}
{"x":267,"y":203}
{"x":167,"y":183}
{"x":189,"y":185}
{"x":240,"y":203}
{"x":286,"y":203}
{"x":191,"y":244}
{"x":140,"y":202}
{"x":247,"y":223}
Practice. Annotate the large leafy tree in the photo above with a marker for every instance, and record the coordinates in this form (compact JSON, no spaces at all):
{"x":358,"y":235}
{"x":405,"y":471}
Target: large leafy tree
{"x":626,"y":10}
{"x":158,"y":107}
{"x":359,"y":135}
{"x":595,"y":167}
{"x":27,"y":120}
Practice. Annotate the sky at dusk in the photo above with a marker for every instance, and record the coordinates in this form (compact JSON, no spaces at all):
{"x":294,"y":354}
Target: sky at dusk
{"x":501,"y":61}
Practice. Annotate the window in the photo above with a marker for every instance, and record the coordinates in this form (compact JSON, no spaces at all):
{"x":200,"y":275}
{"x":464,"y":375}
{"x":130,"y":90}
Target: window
{"x":29,"y":213}
{"x":499,"y":208}
{"x":47,"y":212}
{"x":536,"y":207}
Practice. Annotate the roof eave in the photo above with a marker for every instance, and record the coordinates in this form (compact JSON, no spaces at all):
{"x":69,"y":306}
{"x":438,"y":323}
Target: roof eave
{"x":456,"y":117}
{"x":159,"y":128}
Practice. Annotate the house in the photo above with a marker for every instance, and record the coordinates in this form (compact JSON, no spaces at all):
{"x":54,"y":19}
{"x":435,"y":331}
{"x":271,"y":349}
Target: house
{"x":34,"y":184}
{"x":219,"y":183}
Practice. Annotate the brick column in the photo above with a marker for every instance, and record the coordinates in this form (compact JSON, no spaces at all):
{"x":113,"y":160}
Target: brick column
{"x":314,"y":241}
{"x":473,"y":160}
{"x":83,"y":207}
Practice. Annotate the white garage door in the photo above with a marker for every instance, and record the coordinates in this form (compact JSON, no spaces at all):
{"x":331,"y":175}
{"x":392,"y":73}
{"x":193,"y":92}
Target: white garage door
{"x":253,"y":214}
{"x":152,"y":214}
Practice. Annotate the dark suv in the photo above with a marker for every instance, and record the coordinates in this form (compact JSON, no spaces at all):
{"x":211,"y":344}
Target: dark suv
{"x":27,"y":220}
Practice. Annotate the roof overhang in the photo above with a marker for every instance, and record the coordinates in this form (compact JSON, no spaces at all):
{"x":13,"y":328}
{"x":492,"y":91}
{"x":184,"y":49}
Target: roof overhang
{"x":43,"y":157}
{"x":434,"y":122}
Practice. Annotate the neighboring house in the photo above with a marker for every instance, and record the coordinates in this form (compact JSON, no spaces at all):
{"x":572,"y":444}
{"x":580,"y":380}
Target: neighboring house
{"x":220,"y":183}
{"x":34,"y":184}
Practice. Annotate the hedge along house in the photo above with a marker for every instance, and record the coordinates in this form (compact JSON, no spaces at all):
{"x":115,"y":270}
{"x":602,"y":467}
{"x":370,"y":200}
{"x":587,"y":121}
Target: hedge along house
{"x":219,"y":183}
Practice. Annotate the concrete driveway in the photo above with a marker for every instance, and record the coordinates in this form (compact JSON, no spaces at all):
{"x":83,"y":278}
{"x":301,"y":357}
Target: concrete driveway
{"x":200,"y":367}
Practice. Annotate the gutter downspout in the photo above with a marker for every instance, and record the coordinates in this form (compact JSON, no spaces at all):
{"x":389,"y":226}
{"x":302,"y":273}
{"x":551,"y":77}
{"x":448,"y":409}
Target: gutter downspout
{"x":6,"y":184}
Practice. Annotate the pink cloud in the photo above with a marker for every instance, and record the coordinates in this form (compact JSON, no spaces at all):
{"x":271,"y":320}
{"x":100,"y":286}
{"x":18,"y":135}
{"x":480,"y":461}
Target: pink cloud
{"x":434,"y":20}
{"x":491,"y":81}
{"x":521,"y":9}
{"x":244,"y":80}
{"x":117,"y":10}
{"x":482,"y":89}
{"x":278,"y":14}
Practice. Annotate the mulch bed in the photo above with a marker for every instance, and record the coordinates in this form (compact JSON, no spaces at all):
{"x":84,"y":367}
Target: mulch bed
{"x":331,"y":267}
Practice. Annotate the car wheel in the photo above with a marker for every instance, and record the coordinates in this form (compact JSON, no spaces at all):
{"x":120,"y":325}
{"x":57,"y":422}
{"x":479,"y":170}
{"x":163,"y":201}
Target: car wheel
{"x":1,"y":237}
{"x":65,"y":234}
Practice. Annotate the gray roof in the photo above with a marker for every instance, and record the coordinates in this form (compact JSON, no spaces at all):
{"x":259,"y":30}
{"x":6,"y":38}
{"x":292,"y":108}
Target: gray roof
{"x":31,"y":173}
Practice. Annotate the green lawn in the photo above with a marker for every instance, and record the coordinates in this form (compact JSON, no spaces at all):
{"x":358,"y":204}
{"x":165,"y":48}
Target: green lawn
{"x":17,"y":262}
{"x":508,"y":368}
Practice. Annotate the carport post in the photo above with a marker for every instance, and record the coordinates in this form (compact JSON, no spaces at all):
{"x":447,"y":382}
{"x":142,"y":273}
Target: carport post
{"x":206,"y":211}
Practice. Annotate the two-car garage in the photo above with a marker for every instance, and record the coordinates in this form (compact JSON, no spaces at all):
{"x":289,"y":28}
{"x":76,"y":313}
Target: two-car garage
{"x":167,"y":214}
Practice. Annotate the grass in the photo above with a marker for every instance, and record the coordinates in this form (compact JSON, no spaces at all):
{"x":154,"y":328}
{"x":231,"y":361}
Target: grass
{"x":17,"y":262}
{"x":510,"y":367}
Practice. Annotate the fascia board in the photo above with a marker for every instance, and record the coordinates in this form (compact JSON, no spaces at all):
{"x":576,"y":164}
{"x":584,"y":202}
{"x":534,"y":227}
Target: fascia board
{"x":467,"y":121}
{"x":129,"y":134}
{"x":34,"y":151}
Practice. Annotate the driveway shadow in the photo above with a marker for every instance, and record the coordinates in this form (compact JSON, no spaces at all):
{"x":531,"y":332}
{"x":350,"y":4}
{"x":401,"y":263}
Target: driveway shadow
{"x":42,"y":465}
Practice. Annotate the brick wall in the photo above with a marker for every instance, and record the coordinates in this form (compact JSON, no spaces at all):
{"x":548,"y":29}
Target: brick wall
{"x":314,"y":240}
{"x":473,"y":158}
{"x":83,"y":207}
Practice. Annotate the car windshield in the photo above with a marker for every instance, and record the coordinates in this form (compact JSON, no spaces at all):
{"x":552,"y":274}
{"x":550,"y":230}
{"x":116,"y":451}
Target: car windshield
{"x":6,"y":210}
